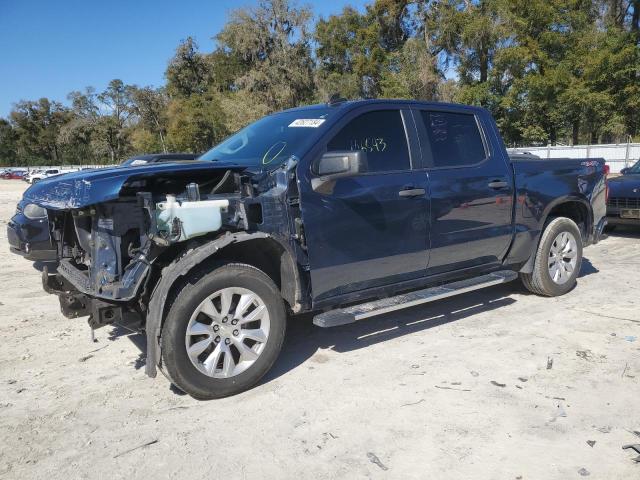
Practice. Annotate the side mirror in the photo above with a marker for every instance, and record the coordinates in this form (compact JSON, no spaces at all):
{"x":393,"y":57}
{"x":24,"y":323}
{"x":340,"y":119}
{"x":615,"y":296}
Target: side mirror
{"x":337,"y":164}
{"x":624,"y":170}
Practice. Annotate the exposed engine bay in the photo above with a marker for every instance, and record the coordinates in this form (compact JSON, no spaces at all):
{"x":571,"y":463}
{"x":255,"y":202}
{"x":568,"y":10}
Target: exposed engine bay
{"x":111,"y":254}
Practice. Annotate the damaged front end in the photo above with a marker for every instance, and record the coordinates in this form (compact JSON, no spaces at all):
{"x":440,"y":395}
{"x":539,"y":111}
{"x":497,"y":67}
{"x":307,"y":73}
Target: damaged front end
{"x":111,"y":253}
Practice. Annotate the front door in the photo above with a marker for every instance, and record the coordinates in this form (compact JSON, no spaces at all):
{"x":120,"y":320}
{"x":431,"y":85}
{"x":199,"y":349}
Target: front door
{"x":367,"y":232}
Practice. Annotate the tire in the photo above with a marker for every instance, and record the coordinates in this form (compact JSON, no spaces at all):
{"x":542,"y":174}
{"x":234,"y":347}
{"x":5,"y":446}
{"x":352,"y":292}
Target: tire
{"x":207,"y":375}
{"x":609,"y":228}
{"x":540,"y":281}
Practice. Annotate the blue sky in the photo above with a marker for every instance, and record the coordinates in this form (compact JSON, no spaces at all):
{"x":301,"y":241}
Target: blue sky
{"x":51,"y":47}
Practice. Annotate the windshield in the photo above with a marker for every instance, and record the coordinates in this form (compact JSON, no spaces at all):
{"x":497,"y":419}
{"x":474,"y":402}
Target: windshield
{"x":268,"y":142}
{"x":634,"y":169}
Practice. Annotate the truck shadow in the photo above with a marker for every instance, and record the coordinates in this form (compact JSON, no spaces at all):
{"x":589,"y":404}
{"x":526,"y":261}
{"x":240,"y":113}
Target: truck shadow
{"x":587,"y":268}
{"x":624,"y":231}
{"x":305,"y":339}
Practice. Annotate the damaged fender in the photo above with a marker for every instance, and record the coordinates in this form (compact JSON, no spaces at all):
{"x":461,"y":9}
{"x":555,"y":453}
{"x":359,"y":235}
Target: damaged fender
{"x":291,"y":291}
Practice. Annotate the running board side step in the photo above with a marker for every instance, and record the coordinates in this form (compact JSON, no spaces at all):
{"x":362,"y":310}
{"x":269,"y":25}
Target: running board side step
{"x":344,"y":316}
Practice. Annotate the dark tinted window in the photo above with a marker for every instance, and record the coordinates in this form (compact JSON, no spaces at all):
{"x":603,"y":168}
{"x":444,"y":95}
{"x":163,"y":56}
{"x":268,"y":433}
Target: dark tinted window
{"x":454,"y":139}
{"x":381,"y":135}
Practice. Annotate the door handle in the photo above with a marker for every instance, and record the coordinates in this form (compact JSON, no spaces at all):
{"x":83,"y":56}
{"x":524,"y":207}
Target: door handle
{"x":498,"y":184}
{"x":412,"y":192}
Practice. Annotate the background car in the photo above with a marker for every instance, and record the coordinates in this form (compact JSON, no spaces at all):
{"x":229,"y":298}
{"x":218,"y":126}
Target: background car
{"x":631,"y":169}
{"x":27,"y":177}
{"x":14,"y":174}
{"x":49,"y":172}
{"x":623,"y":204}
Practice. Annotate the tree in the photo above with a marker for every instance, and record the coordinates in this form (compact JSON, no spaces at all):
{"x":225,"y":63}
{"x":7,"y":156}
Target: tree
{"x":112,"y":134}
{"x":150,"y":106}
{"x":37,"y":125}
{"x":274,"y":41}
{"x":195,"y":123}
{"x":412,"y":73}
{"x":548,"y":70}
{"x":340,"y":53}
{"x":78,"y":135}
{"x":188,"y":72}
{"x":8,"y":144}
{"x":357,"y":49}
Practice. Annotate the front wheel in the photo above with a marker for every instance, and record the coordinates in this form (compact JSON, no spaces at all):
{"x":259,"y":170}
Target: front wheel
{"x":558,"y":259}
{"x":223,"y":332}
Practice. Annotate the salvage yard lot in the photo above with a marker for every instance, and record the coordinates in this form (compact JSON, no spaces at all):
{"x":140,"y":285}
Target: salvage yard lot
{"x":494,"y":384}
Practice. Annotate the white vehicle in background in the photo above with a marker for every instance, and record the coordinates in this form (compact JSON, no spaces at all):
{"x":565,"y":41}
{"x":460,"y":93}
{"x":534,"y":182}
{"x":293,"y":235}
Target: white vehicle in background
{"x":49,"y":172}
{"x":27,"y":177}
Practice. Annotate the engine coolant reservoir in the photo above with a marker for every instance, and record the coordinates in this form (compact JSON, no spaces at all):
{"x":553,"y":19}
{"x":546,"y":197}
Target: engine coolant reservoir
{"x":196,"y":218}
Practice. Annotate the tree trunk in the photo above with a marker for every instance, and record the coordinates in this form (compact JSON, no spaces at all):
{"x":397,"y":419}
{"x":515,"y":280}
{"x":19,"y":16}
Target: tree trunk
{"x":484,"y":63}
{"x":575,"y":133}
{"x":164,"y":147}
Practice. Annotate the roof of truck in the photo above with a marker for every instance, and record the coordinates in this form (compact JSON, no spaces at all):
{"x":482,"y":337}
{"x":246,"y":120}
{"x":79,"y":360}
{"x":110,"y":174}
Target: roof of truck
{"x":350,"y":104}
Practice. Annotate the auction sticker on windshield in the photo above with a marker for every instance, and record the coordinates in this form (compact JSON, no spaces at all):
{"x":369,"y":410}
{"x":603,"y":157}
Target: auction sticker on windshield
{"x":307,"y":122}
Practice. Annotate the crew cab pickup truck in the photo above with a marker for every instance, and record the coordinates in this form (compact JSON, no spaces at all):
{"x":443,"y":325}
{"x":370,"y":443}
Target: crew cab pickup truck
{"x":345,"y":209}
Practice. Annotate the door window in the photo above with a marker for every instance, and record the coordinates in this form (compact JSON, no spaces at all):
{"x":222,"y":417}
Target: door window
{"x":454,"y":138}
{"x":381,"y":134}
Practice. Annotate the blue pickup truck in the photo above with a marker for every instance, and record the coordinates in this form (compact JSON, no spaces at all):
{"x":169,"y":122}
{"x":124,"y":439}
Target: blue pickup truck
{"x":347,"y":209}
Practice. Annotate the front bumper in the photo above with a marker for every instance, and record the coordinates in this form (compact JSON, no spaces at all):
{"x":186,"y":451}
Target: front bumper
{"x":614,"y":218}
{"x":617,"y":220}
{"x":31,"y":238}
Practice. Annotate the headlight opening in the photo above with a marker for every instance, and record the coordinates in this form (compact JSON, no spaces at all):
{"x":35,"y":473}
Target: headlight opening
{"x":33,"y":211}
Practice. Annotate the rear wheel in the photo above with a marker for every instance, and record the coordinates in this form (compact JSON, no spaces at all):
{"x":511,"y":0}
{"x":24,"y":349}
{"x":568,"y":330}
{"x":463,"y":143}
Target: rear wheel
{"x":223,"y":332}
{"x":558,"y":259}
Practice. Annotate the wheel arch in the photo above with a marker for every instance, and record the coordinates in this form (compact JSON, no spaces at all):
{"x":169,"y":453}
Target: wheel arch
{"x":266,"y":252}
{"x":574,"y":207}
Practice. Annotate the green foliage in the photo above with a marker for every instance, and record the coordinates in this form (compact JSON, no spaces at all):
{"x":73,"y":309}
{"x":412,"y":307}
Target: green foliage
{"x":188,"y":72}
{"x":549,"y":70}
{"x":37,"y":125}
{"x":150,"y":107}
{"x":273,"y":42}
{"x":411,"y":72}
{"x":8,"y":144}
{"x":195,"y":123}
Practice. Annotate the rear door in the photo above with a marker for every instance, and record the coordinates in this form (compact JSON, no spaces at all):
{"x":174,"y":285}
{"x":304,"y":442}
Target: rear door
{"x":471,"y":189}
{"x":367,"y":232}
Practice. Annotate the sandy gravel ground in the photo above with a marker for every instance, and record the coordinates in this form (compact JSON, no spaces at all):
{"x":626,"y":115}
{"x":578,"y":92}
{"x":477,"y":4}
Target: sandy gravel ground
{"x":458,"y":389}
